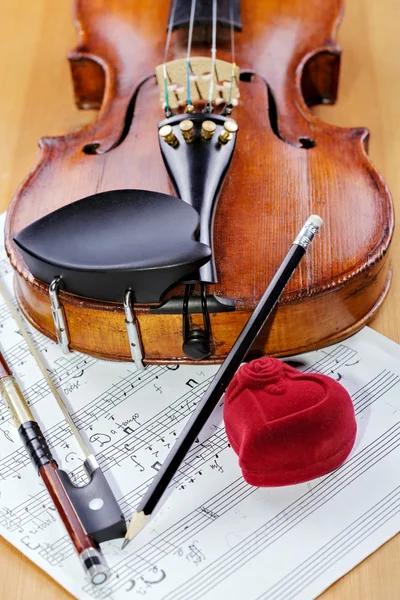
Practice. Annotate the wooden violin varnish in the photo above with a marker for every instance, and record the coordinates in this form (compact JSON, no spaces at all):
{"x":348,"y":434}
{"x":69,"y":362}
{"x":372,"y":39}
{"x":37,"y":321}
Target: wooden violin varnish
{"x":151,"y":235}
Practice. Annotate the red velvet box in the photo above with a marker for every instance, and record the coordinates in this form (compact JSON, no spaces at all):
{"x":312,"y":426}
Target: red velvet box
{"x":287,"y":427}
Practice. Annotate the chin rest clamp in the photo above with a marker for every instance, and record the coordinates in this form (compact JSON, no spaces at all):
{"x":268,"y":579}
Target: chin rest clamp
{"x":61,"y":325}
{"x":132,"y":331}
{"x":59,"y":318}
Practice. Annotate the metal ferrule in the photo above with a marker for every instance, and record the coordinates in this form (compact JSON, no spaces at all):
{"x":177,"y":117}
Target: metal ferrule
{"x":133,"y":334}
{"x":90,"y":465}
{"x":11,"y":394}
{"x":306,"y":235}
{"x":94,"y":565}
{"x":59,"y":319}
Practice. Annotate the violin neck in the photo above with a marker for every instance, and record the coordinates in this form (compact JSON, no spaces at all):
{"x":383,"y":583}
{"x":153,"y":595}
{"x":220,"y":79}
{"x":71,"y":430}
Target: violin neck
{"x":228,"y":12}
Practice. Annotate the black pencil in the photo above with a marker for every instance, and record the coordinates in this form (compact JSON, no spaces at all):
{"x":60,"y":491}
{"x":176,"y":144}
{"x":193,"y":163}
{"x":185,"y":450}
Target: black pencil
{"x":223,"y":377}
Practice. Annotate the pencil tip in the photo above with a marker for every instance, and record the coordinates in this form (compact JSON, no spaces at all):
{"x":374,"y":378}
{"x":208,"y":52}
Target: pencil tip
{"x":125,"y":543}
{"x":139,"y":520}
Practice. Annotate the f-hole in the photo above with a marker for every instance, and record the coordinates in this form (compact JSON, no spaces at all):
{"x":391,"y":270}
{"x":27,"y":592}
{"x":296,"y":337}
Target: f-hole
{"x":304,"y":142}
{"x":95,"y":147}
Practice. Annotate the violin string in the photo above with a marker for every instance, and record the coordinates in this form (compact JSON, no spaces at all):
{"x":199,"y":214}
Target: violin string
{"x":232,"y":31}
{"x":232,"y":53}
{"x":189,"y":49}
{"x":168,"y":111}
{"x":209,"y":105}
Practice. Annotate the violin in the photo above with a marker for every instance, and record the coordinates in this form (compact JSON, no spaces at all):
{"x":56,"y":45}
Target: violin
{"x":151,"y":234}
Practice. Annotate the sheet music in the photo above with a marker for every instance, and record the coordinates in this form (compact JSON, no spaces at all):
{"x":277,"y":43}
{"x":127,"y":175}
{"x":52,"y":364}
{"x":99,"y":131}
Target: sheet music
{"x":215,"y":536}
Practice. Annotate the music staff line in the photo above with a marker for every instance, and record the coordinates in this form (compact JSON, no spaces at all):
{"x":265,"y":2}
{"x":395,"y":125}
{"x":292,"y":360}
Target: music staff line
{"x":368,"y":394}
{"x":5,"y":314}
{"x":328,"y":366}
{"x":155,"y":430}
{"x":194,"y":463}
{"x":332,"y":360}
{"x":78,"y":362}
{"x":5,"y":266}
{"x":231,"y":495}
{"x":62,"y":375}
{"x":340,"y":545}
{"x":147,"y":434}
{"x":19,"y":352}
{"x":277,"y":526}
{"x":195,"y":460}
{"x":201,"y":452}
{"x":96,"y":408}
{"x":179,"y":402}
{"x":214,"y":444}
{"x":60,"y":432}
{"x":287,"y":519}
{"x":210,"y":510}
{"x":115,"y":395}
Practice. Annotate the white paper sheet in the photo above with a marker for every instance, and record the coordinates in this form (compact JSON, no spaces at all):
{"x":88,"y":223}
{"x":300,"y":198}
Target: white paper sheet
{"x":215,"y":537}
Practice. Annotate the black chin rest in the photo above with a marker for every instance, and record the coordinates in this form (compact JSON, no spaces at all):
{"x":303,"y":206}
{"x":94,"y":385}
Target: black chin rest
{"x":109,"y":242}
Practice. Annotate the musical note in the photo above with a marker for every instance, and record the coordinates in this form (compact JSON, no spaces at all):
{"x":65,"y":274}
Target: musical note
{"x":49,"y":553}
{"x":71,"y":457}
{"x":100,"y":438}
{"x":192,"y":383}
{"x":10,"y":520}
{"x":213,"y":515}
{"x":6,"y":434}
{"x":156,"y":575}
{"x":195,"y":555}
{"x":137,"y":464}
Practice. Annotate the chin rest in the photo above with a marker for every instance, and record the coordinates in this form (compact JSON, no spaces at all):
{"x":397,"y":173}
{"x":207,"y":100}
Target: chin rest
{"x":107,"y":243}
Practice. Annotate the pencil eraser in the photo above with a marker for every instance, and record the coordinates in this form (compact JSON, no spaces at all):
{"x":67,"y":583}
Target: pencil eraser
{"x":316,"y":220}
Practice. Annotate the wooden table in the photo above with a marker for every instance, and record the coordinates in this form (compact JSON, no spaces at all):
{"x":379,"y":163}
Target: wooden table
{"x":36,"y":99}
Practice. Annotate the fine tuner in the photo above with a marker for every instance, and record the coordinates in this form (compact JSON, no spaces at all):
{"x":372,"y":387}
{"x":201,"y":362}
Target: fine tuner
{"x":205,"y":132}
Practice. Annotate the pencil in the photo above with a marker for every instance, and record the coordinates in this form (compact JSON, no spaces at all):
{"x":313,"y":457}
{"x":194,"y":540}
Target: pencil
{"x":222,"y":379}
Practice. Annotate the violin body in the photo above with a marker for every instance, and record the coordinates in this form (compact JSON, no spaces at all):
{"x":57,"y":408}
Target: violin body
{"x":287,"y":165}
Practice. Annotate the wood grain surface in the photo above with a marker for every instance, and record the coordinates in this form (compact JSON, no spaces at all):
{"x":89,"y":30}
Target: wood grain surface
{"x":36,"y":99}
{"x":344,"y":277}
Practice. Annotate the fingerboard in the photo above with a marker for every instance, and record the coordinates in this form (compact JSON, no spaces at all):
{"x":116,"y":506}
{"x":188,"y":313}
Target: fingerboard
{"x":203,"y":14}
